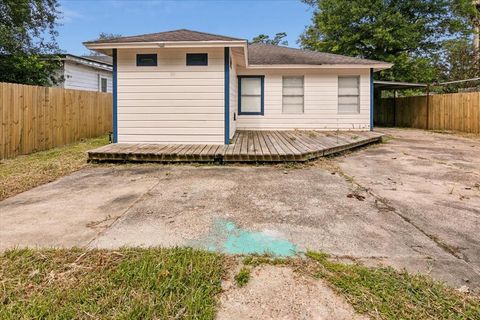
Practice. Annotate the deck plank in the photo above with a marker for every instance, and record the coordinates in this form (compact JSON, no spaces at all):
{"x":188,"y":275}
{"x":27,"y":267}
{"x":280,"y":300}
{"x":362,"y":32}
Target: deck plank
{"x":289,"y":153}
{"x":272,"y":151}
{"x":243,"y":154}
{"x":263,"y":146}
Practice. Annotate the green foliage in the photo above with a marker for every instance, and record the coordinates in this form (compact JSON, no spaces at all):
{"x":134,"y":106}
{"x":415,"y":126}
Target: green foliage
{"x":108,"y":36}
{"x":459,"y":61}
{"x":384,"y":293}
{"x":242,"y":277}
{"x":27,"y":35}
{"x":277,"y":40}
{"x":178,"y":283}
{"x":408,"y":33}
{"x":31,"y":69}
{"x":256,"y":260}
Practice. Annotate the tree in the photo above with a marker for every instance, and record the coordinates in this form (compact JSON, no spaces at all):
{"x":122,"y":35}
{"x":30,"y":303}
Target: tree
{"x":408,"y":33}
{"x":278,"y":39}
{"x":460,"y":61}
{"x":104,"y":36}
{"x":27,"y":35}
{"x":108,"y":36}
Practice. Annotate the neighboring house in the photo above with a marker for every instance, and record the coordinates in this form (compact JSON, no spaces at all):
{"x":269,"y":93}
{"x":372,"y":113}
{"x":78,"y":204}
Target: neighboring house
{"x":192,"y":87}
{"x":92,"y":73}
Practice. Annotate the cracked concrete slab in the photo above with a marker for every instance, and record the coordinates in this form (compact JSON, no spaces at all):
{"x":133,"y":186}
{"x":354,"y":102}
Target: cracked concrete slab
{"x":432,"y":180}
{"x":72,"y":210}
{"x":399,"y":209}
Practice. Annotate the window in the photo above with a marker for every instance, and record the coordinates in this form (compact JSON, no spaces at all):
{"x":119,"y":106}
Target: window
{"x":292,"y":101}
{"x":197,"y":59}
{"x":146,"y":60}
{"x":103,"y":84}
{"x":349,"y":94}
{"x":250,"y":98}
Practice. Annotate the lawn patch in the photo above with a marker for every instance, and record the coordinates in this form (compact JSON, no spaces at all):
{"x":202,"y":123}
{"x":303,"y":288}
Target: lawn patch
{"x":384,"y":293}
{"x":26,"y":172}
{"x":124,"y":284}
{"x":242,"y":277}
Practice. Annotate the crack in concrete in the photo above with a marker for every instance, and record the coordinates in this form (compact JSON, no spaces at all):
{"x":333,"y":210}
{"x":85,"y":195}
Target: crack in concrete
{"x":443,"y":163}
{"x":125,"y":211}
{"x":387,"y":207}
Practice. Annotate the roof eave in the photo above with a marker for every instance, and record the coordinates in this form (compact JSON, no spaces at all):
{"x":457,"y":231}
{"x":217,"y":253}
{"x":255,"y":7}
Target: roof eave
{"x":75,"y":57}
{"x":88,"y":62}
{"x":103,"y":46}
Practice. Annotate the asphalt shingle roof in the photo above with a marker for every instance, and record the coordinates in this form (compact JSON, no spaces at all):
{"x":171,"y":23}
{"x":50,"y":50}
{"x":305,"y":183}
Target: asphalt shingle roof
{"x":174,"y":35}
{"x":259,"y":53}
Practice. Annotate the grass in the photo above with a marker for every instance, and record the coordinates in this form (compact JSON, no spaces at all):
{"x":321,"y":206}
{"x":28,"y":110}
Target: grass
{"x":242,"y":277}
{"x":183,"y":283}
{"x":124,"y":284}
{"x":384,"y":293}
{"x":25,"y":172}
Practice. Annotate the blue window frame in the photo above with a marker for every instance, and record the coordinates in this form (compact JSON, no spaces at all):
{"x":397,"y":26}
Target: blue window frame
{"x":197,"y":59}
{"x":147,"y":60}
{"x":251,"y":95}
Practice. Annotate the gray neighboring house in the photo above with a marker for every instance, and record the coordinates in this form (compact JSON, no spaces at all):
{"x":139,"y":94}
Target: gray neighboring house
{"x":91,"y":73}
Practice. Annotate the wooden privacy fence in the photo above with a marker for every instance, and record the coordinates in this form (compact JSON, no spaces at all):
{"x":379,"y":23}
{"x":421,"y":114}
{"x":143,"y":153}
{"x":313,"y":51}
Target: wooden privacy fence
{"x":454,"y":111}
{"x":39,"y":118}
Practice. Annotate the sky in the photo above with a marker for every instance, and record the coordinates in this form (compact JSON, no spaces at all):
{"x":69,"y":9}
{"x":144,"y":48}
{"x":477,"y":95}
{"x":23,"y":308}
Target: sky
{"x":83,"y":20}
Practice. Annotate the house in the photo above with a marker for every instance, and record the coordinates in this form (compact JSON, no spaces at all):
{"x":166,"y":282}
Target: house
{"x":92,"y":73}
{"x":191,"y":87}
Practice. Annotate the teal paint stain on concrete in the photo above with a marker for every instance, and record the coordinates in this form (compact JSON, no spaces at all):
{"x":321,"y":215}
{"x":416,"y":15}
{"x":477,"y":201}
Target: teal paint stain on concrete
{"x":226,"y":237}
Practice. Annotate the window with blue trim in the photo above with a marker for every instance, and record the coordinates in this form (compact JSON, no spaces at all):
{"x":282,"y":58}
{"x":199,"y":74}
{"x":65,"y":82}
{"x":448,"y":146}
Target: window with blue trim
{"x":147,"y":60}
{"x":197,"y":59}
{"x":250,"y":95}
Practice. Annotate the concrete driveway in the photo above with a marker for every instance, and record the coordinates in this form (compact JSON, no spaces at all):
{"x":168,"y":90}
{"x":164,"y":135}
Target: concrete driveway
{"x":413,"y":202}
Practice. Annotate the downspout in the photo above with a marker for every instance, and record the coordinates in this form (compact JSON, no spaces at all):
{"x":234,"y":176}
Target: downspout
{"x":114,"y":98}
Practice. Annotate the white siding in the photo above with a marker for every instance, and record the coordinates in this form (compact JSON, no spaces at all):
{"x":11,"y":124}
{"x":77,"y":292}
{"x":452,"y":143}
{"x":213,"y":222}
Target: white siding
{"x":321,"y":97}
{"x":173,"y":102}
{"x":81,"y":77}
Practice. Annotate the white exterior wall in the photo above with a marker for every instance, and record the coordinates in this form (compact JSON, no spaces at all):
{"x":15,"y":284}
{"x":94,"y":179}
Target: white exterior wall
{"x":80,"y":77}
{"x":320,"y":101}
{"x":172,"y":102}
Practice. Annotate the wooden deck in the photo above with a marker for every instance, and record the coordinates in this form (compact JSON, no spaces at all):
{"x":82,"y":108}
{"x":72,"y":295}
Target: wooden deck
{"x":246,"y":146}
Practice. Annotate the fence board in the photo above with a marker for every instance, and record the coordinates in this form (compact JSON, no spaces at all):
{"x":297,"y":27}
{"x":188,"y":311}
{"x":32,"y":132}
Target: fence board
{"x":453,"y":111}
{"x":39,"y":118}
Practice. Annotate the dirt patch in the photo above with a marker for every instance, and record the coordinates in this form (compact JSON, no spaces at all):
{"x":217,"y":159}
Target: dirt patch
{"x":277,"y":292}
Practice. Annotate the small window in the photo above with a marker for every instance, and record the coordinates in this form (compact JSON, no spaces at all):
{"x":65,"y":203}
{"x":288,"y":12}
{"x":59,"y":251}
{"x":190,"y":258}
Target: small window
{"x":103,"y":84}
{"x":146,"y":60}
{"x":251,"y":95}
{"x":292,"y":95}
{"x":349,"y":95}
{"x":197,"y":59}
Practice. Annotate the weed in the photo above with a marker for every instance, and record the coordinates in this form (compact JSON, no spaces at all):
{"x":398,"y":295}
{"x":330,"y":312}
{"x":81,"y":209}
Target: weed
{"x":242,"y":277}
